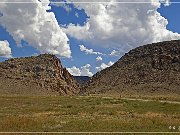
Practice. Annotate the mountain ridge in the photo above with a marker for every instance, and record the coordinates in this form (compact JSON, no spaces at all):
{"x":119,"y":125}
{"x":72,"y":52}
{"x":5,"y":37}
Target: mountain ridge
{"x":148,"y":69}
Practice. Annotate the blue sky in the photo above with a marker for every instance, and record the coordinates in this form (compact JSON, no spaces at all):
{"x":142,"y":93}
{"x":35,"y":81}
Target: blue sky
{"x":79,"y":58}
{"x":172,"y":14}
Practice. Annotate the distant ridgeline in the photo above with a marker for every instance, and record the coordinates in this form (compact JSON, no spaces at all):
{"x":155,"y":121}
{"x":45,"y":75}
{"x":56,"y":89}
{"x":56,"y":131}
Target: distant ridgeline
{"x":152,"y":69}
{"x":82,"y":80}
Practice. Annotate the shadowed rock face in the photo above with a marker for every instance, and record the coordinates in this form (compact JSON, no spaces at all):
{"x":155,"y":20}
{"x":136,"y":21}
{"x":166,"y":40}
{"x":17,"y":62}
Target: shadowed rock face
{"x":82,"y":79}
{"x":43,"y":74}
{"x":149,"y":69}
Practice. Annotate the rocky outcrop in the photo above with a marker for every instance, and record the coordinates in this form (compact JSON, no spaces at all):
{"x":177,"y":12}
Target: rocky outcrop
{"x":41,"y":74}
{"x":149,"y":69}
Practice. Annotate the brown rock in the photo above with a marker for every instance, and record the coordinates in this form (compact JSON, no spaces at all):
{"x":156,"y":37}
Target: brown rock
{"x":43,"y":74}
{"x":149,"y":69}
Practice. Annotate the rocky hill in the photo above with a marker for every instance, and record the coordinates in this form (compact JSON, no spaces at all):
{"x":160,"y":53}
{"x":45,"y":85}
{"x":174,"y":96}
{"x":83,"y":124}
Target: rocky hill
{"x":150,"y":69}
{"x":41,"y":74}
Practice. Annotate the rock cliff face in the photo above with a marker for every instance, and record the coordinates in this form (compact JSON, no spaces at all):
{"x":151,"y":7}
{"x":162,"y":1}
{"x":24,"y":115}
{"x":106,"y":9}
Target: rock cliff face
{"x":149,"y":69}
{"x":43,"y":74}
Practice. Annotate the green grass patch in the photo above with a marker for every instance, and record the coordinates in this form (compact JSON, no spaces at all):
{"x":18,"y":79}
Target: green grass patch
{"x":85,"y":114}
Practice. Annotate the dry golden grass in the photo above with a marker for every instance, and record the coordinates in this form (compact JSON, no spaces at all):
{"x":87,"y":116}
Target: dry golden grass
{"x":85,"y":114}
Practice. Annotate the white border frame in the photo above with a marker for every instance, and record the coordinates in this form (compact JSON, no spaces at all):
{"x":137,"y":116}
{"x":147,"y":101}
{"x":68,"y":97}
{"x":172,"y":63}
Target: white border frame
{"x":90,"y":2}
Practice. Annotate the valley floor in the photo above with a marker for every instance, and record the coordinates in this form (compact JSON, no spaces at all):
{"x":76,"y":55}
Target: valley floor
{"x":87,"y":114}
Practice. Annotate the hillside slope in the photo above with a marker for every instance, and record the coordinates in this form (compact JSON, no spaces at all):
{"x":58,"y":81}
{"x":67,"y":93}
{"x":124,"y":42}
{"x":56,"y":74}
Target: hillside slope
{"x":41,"y":74}
{"x":150,"y":69}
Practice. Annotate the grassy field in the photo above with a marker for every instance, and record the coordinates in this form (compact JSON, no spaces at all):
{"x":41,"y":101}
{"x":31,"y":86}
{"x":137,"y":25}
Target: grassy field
{"x":86,"y":114}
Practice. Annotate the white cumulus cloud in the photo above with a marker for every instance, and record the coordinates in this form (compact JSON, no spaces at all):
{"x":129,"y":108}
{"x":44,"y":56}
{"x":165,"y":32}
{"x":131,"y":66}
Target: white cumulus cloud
{"x":99,"y":58}
{"x":89,"y":51}
{"x":83,"y":71}
{"x":79,"y":32}
{"x":104,"y":66}
{"x":122,"y":25}
{"x":5,"y":50}
{"x":74,"y":71}
{"x":114,"y":53}
{"x":31,"y":22}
